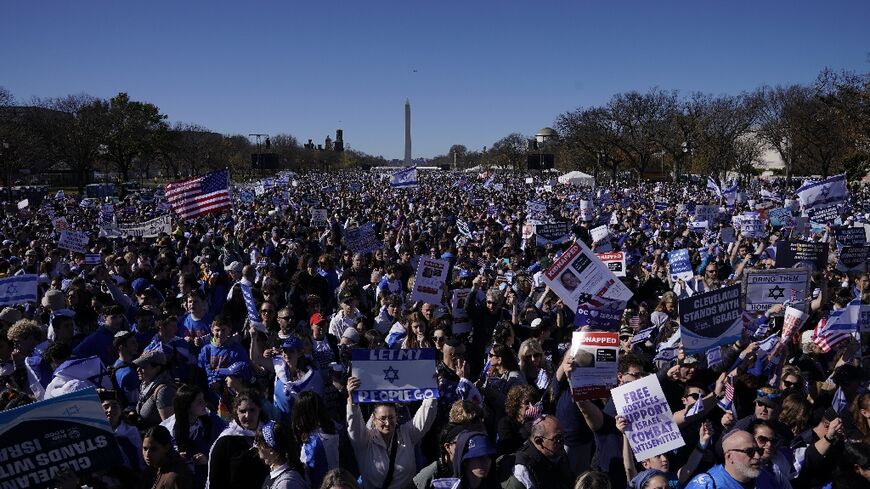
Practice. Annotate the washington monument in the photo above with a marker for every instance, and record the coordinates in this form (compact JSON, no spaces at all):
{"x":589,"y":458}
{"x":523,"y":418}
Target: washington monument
{"x":407,"y":132}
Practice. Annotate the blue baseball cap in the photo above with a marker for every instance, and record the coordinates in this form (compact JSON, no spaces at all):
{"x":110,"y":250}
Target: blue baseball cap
{"x":478,"y":446}
{"x":292,"y":343}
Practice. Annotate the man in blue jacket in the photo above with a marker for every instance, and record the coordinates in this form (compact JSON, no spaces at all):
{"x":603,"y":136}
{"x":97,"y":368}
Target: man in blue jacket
{"x":742,"y":468}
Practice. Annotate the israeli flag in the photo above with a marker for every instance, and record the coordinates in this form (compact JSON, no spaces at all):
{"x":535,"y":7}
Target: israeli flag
{"x":714,"y":187}
{"x":406,"y":177}
{"x":844,"y":320}
{"x":18,"y":290}
{"x":730,"y":194}
{"x":396,"y":335}
{"x":823,"y":193}
{"x":768,"y":195}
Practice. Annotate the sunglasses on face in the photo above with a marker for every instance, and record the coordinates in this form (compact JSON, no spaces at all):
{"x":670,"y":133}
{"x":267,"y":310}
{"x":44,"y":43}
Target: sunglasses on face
{"x":789,"y":384}
{"x":749,"y":452}
{"x":286,"y":318}
{"x":763,"y":440}
{"x":693,"y":395}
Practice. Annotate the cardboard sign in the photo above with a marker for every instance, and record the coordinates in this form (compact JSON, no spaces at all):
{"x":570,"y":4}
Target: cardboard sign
{"x":74,"y":241}
{"x":752,"y":228}
{"x":780,"y":217}
{"x":595,"y":362}
{"x":394,"y":375}
{"x":147,"y":229}
{"x":851,"y":236}
{"x":853,"y":259}
{"x":765,"y":288}
{"x":810,"y":253}
{"x":68,"y":432}
{"x":651,"y":429}
{"x":23,"y":204}
{"x":709,"y":213}
{"x":599,"y":233}
{"x":710,"y":319}
{"x":679,"y":264}
{"x":578,"y":273}
{"x":615,"y":261}
{"x":824,"y":215}
{"x":430,"y":280}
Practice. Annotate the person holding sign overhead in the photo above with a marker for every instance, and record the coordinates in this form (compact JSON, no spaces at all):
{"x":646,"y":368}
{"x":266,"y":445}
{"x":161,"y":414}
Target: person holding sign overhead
{"x":386,"y":453}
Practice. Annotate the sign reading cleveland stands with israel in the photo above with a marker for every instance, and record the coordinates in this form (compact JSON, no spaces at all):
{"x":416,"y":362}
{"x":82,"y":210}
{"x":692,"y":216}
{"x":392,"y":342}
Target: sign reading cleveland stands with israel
{"x":394,"y":375}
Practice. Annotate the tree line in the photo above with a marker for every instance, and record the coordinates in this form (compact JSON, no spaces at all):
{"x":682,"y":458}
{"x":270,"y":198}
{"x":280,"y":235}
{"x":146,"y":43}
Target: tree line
{"x":821,"y":128}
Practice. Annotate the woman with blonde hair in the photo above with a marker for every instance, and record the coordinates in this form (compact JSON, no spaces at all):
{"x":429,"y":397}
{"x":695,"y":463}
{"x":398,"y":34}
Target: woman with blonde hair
{"x":665,"y":311}
{"x":533,"y":364}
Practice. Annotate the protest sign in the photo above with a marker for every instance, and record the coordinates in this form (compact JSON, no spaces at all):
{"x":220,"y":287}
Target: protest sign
{"x":74,"y":241}
{"x":536,"y":207}
{"x":93,"y":259}
{"x":710,"y":319}
{"x":810,"y":253}
{"x":578,"y":273}
{"x":792,"y":321}
{"x":147,"y":229}
{"x":651,"y":429}
{"x":461,"y":321}
{"x":552,"y":232}
{"x":595,"y":363}
{"x":528,"y":230}
{"x":851,"y":236}
{"x":587,"y":210}
{"x":362,"y":239}
{"x":430,"y":280}
{"x":709,"y":213}
{"x":600,"y":314}
{"x":530,"y":180}
{"x":465,"y":230}
{"x":68,"y":432}
{"x":18,"y":289}
{"x":780,"y":217}
{"x":60,"y":224}
{"x":599,"y":233}
{"x":853,"y":259}
{"x":752,"y":228}
{"x":824,"y":215}
{"x":406,"y":375}
{"x":679,"y":265}
{"x":765,"y":288}
{"x":615,"y":261}
{"x":23,"y":204}
{"x":319,"y":218}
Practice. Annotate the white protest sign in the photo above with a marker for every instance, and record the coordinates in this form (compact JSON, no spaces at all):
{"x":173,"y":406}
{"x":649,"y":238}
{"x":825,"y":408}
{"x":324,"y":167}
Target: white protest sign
{"x":765,"y":288}
{"x":147,"y":229}
{"x":60,"y":224}
{"x":651,"y":429}
{"x":23,"y":204}
{"x":430,"y":280}
{"x":578,"y":273}
{"x":615,"y":261}
{"x":319,"y":218}
{"x":680,"y":265}
{"x":394,"y":375}
{"x":530,"y":180}
{"x":74,"y":241}
{"x":595,"y":362}
{"x":792,"y":322}
{"x":461,"y":321}
{"x":707,"y":213}
{"x":600,"y":233}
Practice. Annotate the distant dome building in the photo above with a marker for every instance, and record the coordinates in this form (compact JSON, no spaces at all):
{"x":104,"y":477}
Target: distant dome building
{"x":546,"y":135}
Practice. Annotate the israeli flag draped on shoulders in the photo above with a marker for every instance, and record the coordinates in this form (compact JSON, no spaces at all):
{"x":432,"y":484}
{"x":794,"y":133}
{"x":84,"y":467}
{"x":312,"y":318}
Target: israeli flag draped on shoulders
{"x":815,"y":194}
{"x":18,"y":289}
{"x":406,"y":177}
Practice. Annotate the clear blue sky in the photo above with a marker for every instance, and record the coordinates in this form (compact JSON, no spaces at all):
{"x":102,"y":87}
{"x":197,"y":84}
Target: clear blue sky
{"x":484,"y":68}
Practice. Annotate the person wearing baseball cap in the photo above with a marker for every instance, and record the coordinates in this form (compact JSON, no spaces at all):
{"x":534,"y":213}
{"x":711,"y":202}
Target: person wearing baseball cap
{"x":324,"y":345}
{"x":293,"y":373}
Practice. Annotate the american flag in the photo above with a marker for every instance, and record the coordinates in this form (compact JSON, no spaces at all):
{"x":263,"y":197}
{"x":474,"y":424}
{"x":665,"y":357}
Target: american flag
{"x":727,"y":402}
{"x":839,"y":326}
{"x":199,"y":195}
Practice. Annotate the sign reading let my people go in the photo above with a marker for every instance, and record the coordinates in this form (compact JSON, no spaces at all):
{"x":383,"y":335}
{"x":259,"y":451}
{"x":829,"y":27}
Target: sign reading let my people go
{"x":406,"y":375}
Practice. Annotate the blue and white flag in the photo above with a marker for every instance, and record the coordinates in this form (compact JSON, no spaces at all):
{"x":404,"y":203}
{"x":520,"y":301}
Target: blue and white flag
{"x":768,"y":195}
{"x":714,"y":357}
{"x":714,"y":187}
{"x":251,"y":305}
{"x":730,"y":194}
{"x":394,"y":375}
{"x":18,"y":290}
{"x":823,"y":193}
{"x":396,"y":334}
{"x":642,"y":335}
{"x":489,"y":181}
{"x":60,"y":195}
{"x":843,"y":320}
{"x":839,"y":402}
{"x":406,"y":177}
{"x":696,"y":408}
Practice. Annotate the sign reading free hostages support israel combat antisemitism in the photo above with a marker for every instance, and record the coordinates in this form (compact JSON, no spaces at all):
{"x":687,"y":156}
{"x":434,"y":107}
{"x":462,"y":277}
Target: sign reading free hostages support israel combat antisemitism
{"x":394,"y":375}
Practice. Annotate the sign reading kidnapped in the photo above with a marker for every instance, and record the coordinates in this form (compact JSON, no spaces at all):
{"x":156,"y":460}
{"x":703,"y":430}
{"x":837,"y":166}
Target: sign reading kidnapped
{"x":68,"y":432}
{"x":710,"y":319}
{"x":394,"y":375}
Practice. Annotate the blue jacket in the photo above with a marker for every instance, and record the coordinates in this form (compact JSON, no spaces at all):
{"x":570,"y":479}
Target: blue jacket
{"x":719,"y":478}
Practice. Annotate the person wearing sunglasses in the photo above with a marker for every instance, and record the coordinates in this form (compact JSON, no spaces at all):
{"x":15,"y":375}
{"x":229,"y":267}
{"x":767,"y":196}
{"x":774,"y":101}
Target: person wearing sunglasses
{"x":773,"y":460}
{"x":541,"y":463}
{"x":741,"y":468}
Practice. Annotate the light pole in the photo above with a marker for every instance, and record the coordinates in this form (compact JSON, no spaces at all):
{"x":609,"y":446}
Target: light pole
{"x":687,"y":154}
{"x":7,"y":165}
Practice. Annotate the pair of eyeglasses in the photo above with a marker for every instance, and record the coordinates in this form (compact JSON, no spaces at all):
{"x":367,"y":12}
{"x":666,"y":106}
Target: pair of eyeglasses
{"x":384,"y":419}
{"x":439,"y":339}
{"x":749,"y":452}
{"x":264,"y":311}
{"x":693,"y":395}
{"x":491,"y":355}
{"x":286,"y":318}
{"x":789,"y":384}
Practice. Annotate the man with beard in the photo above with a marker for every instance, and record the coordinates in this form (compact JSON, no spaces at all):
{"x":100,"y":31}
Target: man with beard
{"x":742,"y":467}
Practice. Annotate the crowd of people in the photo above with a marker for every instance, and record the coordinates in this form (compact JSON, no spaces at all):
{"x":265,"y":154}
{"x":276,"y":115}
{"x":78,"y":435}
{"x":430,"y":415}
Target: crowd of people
{"x":227,"y":343}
